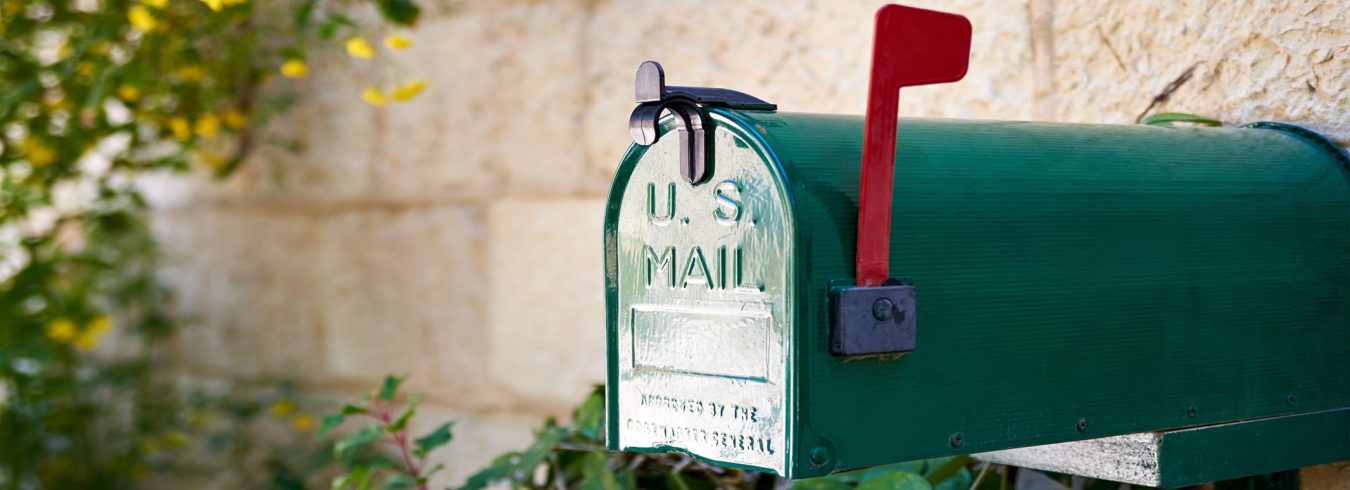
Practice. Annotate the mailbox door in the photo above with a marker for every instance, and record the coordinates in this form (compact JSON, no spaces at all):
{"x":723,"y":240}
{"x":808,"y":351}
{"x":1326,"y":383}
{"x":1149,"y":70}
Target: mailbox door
{"x":700,"y":303}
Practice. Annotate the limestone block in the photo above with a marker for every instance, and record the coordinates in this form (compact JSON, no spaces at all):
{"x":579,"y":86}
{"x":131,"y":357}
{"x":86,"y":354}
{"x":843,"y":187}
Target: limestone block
{"x":804,"y":56}
{"x":546,"y":309}
{"x":505,"y":89}
{"x":1254,"y":61}
{"x":402,"y":291}
{"x":246,"y":274}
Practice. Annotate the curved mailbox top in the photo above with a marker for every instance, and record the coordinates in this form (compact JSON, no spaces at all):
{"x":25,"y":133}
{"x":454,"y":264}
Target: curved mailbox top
{"x":1114,"y":275}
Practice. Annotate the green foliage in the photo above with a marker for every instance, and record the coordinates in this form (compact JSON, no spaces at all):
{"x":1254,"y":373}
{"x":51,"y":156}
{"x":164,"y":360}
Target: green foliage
{"x":1169,"y":118}
{"x":410,"y":470}
{"x":94,"y":94}
{"x":573,"y":457}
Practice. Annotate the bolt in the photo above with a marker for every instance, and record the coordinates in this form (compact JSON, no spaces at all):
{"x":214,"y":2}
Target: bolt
{"x":820,"y":455}
{"x":882,"y":309}
{"x":1082,"y":425}
{"x":1289,"y":399}
{"x":957,"y":440}
{"x":1192,"y":411}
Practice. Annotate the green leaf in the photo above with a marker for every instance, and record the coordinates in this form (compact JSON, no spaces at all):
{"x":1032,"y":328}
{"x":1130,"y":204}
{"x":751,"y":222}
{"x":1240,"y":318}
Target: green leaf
{"x":820,"y":484}
{"x":352,"y":410}
{"x":402,"y":422}
{"x":941,"y":469}
{"x":591,"y":414}
{"x":433,"y":440}
{"x":500,"y":469}
{"x":399,"y":481}
{"x":1167,"y":118}
{"x":875,"y":471}
{"x":390,"y":387}
{"x":329,"y":423}
{"x":596,"y":475}
{"x":358,"y":477}
{"x":535,"y":455}
{"x":402,"y":12}
{"x":896,"y":480}
{"x":360,"y":438}
{"x":960,"y":481}
{"x":303,"y":11}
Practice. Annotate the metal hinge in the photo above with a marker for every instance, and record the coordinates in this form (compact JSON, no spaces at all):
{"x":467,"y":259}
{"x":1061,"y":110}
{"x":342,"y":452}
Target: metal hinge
{"x":686,"y":104}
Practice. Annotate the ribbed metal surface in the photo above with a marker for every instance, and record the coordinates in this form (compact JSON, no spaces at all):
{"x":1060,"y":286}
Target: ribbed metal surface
{"x":1118,"y":274}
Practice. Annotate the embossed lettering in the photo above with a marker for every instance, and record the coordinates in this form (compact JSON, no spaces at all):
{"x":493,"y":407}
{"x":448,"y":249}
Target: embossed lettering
{"x":659,"y":265}
{"x":728,"y":210}
{"x":696,"y":270}
{"x":651,"y":205}
{"x":744,"y":285}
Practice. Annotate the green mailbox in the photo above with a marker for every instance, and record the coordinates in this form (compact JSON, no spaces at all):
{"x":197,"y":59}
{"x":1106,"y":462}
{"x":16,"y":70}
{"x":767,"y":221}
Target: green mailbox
{"x":1048,"y":283}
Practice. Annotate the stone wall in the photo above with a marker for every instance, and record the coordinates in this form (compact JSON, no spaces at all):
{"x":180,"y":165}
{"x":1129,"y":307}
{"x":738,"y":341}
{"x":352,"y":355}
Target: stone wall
{"x":457,"y":239}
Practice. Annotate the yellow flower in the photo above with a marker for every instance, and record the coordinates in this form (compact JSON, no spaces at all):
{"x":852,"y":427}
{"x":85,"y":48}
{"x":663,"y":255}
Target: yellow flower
{"x":141,"y":19}
{"x":302,"y":422}
{"x":159,"y":4}
{"x":197,"y":419}
{"x":398,"y":42}
{"x":61,"y":330}
{"x":374,"y":97}
{"x":282,"y":408}
{"x":211,"y":158}
{"x":190,"y":73}
{"x":88,"y":339}
{"x":208,"y":126}
{"x":37,"y":153}
{"x":409,"y":90}
{"x":175,"y":439}
{"x":294,"y":68}
{"x":234,"y":119}
{"x":358,"y":47}
{"x":128,"y":93}
{"x":215,"y":5}
{"x":180,"y":127}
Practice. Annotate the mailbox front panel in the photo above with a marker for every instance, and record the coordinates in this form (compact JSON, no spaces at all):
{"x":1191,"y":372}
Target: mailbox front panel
{"x":701,"y":320}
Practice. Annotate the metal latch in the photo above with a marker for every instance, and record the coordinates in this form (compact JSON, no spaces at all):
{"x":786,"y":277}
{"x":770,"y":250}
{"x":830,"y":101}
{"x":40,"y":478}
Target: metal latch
{"x":912,"y":47}
{"x":686,"y":104}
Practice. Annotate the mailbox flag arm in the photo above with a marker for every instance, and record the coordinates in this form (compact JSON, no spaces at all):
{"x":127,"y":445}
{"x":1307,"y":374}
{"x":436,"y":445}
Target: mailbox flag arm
{"x":911,"y":47}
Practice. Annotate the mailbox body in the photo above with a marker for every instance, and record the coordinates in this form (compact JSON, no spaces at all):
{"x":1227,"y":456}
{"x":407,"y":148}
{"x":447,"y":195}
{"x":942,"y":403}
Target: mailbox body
{"x":1072,"y":281}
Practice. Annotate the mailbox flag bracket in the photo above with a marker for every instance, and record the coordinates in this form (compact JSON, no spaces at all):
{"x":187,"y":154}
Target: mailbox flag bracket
{"x":686,"y":104}
{"x":910,"y":47}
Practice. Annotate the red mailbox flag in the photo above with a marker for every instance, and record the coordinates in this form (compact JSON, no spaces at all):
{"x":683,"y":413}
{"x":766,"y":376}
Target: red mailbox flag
{"x":912,"y":47}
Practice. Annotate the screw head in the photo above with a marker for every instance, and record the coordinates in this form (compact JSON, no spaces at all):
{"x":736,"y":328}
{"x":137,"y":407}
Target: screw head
{"x":820,"y":455}
{"x":1290,"y":400}
{"x":957,"y":440}
{"x":882,"y":309}
{"x":1192,"y":411}
{"x":1082,"y":425}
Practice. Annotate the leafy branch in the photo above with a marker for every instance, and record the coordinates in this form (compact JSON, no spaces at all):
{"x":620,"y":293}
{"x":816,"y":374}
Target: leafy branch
{"x":389,"y":428}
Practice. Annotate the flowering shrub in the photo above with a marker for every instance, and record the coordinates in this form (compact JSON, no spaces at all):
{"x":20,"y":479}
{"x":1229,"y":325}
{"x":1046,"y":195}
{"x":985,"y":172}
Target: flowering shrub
{"x":94,"y":93}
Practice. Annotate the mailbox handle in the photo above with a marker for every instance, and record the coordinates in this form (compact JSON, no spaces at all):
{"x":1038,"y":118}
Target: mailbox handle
{"x":686,"y":104}
{"x":911,"y":47}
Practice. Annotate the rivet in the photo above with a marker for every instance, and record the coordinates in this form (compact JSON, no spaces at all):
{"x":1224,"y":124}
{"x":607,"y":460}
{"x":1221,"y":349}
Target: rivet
{"x":1082,"y":425}
{"x":882,"y":309}
{"x":1192,"y":411}
{"x":1290,"y":400}
{"x":957,"y":440}
{"x":820,"y":455}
